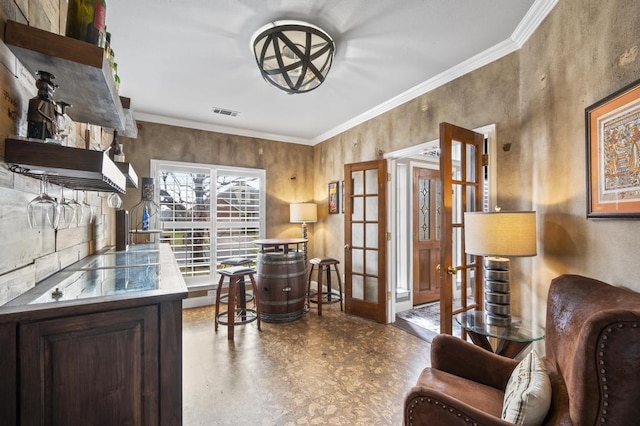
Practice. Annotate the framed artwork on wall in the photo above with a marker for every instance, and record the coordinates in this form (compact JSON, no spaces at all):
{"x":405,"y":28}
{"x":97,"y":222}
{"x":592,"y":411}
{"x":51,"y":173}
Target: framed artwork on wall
{"x":613,"y":155}
{"x":334,"y":203}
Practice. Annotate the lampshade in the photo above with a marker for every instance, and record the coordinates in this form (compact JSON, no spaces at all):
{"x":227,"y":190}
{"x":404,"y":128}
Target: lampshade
{"x":293,"y":56}
{"x":303,"y":213}
{"x":511,"y":234}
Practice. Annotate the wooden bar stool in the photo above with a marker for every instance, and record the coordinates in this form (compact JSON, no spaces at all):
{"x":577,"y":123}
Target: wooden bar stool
{"x":244,"y":315}
{"x":322,"y":297}
{"x":244,"y":296}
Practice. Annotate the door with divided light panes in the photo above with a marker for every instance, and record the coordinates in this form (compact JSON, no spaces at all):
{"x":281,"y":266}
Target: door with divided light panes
{"x":365,"y":240}
{"x":462,"y":188}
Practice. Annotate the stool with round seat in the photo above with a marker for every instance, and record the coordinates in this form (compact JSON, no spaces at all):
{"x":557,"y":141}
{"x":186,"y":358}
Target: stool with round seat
{"x":328,"y":296}
{"x":236,"y":315}
{"x":244,"y":295}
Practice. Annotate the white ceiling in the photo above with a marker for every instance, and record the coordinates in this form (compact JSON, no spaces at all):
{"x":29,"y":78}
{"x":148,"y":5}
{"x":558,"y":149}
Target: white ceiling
{"x":177,"y":59}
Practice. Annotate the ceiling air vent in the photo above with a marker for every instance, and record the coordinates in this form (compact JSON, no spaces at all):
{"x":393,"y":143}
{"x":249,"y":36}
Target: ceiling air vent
{"x":223,"y":111}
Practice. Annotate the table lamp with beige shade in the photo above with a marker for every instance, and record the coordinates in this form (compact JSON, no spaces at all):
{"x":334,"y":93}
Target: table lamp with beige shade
{"x":498,"y":236}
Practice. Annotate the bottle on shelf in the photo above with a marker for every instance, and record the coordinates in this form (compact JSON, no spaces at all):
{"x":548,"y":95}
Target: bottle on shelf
{"x":120,"y":157}
{"x":107,"y":47}
{"x":145,"y":216}
{"x":116,"y":77}
{"x":145,"y":219}
{"x":113,"y":64}
{"x":86,"y":21}
{"x":64,"y":123}
{"x":114,"y":150}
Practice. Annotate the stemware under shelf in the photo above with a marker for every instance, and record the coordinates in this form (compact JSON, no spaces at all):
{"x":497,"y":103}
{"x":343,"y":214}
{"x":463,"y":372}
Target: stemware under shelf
{"x":67,"y":211}
{"x":43,"y":212}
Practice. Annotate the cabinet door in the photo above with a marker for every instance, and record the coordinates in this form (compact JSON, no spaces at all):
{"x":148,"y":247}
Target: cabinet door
{"x":96,"y":369}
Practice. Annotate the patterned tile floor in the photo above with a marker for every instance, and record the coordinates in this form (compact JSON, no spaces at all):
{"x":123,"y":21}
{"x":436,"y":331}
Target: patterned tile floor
{"x":329,"y":370}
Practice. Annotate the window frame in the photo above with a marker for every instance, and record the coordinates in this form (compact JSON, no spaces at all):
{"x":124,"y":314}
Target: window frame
{"x":156,"y":166}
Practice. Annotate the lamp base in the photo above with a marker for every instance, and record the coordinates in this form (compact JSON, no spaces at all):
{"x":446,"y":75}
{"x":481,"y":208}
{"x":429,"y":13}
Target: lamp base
{"x":304,"y":245}
{"x":497,"y":297}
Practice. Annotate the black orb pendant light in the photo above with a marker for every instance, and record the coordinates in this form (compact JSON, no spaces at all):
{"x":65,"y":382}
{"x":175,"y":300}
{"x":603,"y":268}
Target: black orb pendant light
{"x":293,"y":56}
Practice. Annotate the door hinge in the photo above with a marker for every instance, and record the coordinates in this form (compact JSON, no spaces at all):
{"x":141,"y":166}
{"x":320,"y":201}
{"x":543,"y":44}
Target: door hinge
{"x":389,"y":295}
{"x":388,"y":236}
{"x":485,"y":160}
{"x":388,"y":177}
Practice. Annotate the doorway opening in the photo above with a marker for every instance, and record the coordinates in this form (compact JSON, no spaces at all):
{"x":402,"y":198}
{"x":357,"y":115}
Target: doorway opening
{"x":414,"y":207}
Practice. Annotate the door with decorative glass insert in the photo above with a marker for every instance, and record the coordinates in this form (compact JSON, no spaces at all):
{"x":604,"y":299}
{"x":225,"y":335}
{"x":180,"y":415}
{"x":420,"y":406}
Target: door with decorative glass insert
{"x":365,"y":240}
{"x":427,"y":200}
{"x":462,"y":190}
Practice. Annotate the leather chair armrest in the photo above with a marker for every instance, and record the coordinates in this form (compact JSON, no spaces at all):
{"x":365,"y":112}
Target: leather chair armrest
{"x":425,"y":406}
{"x":463,"y":359}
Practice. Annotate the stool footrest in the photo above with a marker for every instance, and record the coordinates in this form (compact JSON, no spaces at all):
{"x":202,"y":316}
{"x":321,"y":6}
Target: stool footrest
{"x":241,"y":317}
{"x":335,"y":297}
{"x":225,"y":297}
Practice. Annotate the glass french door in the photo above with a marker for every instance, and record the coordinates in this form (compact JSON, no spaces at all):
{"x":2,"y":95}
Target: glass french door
{"x":365,"y":240}
{"x":462,"y":190}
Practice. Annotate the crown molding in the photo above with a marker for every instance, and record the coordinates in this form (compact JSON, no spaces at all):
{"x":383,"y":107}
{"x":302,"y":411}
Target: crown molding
{"x":490,"y":55}
{"x":198,"y":125}
{"x":534,"y":17}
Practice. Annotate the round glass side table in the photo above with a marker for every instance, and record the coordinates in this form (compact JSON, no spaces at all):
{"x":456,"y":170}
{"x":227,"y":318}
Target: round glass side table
{"x":512,"y":339}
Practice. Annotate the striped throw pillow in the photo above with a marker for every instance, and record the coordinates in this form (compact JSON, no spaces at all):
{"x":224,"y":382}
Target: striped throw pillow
{"x":528,"y":394}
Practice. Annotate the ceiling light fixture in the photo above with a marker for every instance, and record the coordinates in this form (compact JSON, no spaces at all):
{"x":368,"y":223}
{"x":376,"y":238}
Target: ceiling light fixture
{"x":293,"y":56}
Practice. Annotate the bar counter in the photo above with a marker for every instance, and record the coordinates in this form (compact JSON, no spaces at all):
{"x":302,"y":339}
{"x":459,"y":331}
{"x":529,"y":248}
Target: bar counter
{"x":99,"y":342}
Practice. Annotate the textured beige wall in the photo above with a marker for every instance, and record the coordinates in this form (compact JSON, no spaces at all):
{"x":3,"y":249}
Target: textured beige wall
{"x":470,"y":101}
{"x":288,"y":167}
{"x":584,"y":51}
{"x":536,"y":96}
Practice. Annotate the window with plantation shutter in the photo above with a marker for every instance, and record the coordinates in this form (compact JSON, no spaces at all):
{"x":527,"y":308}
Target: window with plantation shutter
{"x":208,"y":214}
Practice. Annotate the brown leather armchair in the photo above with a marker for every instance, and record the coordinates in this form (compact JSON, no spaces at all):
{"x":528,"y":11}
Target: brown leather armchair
{"x":592,"y":356}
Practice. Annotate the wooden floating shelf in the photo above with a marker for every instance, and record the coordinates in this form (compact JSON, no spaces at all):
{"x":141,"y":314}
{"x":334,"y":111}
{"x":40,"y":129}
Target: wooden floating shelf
{"x":129,"y":173}
{"x":73,"y":168}
{"x":130,"y":126}
{"x":82,"y":73}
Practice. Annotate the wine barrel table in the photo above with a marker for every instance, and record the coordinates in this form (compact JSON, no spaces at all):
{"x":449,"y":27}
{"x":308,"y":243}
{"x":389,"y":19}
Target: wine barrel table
{"x":281,"y":276}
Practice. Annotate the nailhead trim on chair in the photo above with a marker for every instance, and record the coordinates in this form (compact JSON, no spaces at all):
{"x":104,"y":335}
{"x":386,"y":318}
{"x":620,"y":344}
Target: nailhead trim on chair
{"x":603,"y":372}
{"x":420,"y":400}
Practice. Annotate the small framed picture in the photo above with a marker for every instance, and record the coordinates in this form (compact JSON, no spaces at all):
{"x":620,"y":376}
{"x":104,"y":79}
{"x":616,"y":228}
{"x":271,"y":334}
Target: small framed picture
{"x":334,"y":198}
{"x":613,"y":155}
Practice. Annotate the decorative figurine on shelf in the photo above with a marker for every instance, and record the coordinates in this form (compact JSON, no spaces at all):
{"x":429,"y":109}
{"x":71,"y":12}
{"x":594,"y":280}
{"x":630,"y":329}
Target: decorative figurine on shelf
{"x":42,"y":116}
{"x":145,"y":219}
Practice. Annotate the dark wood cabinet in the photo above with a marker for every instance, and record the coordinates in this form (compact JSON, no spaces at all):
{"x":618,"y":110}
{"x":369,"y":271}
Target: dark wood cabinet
{"x":101,"y":368}
{"x":115,"y":360}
